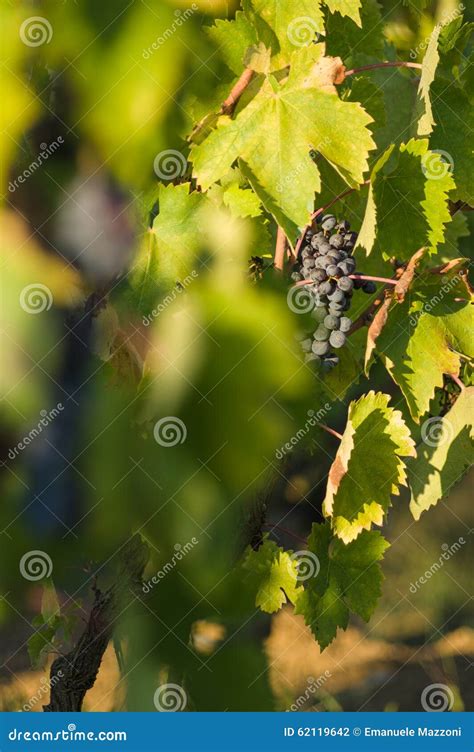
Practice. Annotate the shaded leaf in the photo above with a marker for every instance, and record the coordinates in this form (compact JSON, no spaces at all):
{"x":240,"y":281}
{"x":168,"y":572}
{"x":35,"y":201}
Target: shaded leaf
{"x":349,"y":579}
{"x":444,"y":455}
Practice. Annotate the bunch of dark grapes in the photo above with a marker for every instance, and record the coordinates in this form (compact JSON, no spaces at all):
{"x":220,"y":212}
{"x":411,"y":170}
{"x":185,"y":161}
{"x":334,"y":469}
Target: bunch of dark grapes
{"x":326,"y":261}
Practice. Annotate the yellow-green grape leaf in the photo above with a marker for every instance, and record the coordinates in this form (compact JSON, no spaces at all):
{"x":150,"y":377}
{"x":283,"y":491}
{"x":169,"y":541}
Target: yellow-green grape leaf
{"x":274,"y":135}
{"x":407,"y":207}
{"x":294,"y":24}
{"x":430,"y":63}
{"x":349,"y":578}
{"x":368,"y":467}
{"x":350,"y":8}
{"x":241,"y":202}
{"x":233,"y":38}
{"x":274,"y":574}
{"x":419,"y":346}
{"x":444,"y":455}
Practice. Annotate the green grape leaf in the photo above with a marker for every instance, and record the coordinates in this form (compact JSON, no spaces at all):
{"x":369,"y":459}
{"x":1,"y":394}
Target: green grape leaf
{"x":353,"y":42}
{"x":362,"y":481}
{"x":349,"y":579}
{"x":349,"y":8}
{"x":169,"y":248}
{"x":294,"y":24}
{"x":275,"y":133}
{"x":241,"y":202}
{"x":233,"y":39}
{"x":444,"y":455}
{"x":419,"y":343}
{"x":407,"y":207}
{"x":452,"y":135}
{"x":274,"y":574}
{"x":430,"y":63}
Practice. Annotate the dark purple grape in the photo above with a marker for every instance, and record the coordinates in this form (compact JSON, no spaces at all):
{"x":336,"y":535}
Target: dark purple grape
{"x":337,"y":339}
{"x":324,"y":248}
{"x":320,"y":348}
{"x":332,"y":270}
{"x":322,"y":333}
{"x":345,"y":284}
{"x":326,"y":288}
{"x":345,"y":324}
{"x":369,"y":287}
{"x":296,"y":277}
{"x":305,"y":344}
{"x":337,"y":241}
{"x":337,"y":296}
{"x":328,"y":222}
{"x":318,"y":275}
{"x":331,"y":322}
{"x":343,"y":226}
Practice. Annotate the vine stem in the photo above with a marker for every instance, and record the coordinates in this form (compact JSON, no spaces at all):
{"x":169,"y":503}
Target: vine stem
{"x":323,"y":208}
{"x":280,"y":250}
{"x":457,"y":381}
{"x":398,"y":64}
{"x":331,"y":431}
{"x":236,"y":92}
{"x":366,"y":277}
{"x":370,"y":278}
{"x":284,"y":530}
